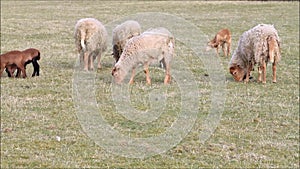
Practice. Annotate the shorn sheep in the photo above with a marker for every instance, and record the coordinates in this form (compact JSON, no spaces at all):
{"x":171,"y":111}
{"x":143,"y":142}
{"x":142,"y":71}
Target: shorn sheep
{"x":258,"y":45}
{"x":221,"y":39}
{"x":121,"y":34}
{"x":91,"y":41}
{"x":151,"y":46}
{"x":18,"y":60}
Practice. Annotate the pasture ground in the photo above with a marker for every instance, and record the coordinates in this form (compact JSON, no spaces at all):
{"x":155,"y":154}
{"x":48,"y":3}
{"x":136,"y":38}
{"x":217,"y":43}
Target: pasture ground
{"x":39,"y":127}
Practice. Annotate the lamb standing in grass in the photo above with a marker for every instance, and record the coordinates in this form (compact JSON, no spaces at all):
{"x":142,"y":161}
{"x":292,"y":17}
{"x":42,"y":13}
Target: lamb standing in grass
{"x":223,"y":39}
{"x":258,"y":45}
{"x":152,"y":45}
{"x":18,"y":60}
{"x":121,"y":34}
{"x":91,"y":41}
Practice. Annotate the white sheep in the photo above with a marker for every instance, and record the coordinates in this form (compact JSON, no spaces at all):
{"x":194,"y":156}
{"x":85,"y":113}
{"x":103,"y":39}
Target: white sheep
{"x":258,"y":45}
{"x":121,"y":34}
{"x":151,"y":46}
{"x":91,"y":41}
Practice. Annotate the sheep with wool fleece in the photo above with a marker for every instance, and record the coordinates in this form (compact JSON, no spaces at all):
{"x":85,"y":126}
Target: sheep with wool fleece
{"x":91,"y":41}
{"x":259,"y":45}
{"x":151,"y":46}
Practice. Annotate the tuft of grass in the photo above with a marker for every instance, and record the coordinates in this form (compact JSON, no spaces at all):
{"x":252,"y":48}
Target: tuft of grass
{"x":259,"y":127}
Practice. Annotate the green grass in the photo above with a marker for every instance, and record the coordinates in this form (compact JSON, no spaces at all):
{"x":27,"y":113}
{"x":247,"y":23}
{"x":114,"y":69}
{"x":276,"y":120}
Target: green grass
{"x":258,"y":128}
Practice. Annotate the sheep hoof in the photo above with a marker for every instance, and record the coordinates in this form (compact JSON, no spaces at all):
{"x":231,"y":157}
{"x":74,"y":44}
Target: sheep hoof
{"x":274,"y":81}
{"x":246,"y":81}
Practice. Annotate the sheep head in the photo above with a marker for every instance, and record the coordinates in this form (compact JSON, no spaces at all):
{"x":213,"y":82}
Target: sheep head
{"x":211,"y":44}
{"x":237,"y":72}
{"x":118,"y":73}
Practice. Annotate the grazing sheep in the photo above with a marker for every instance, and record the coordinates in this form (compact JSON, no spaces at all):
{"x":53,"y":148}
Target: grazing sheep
{"x":222,"y":38}
{"x":258,"y":45}
{"x":31,"y":52}
{"x":18,"y":59}
{"x":121,"y":34}
{"x":152,"y":45}
{"x":91,"y":41}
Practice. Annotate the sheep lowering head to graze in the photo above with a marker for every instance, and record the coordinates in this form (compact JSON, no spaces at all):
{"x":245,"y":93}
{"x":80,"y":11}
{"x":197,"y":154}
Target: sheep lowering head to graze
{"x":18,"y":59}
{"x":121,"y":34}
{"x":151,"y":46}
{"x":91,"y":41}
{"x":223,"y":39}
{"x":258,"y":45}
{"x":28,"y":53}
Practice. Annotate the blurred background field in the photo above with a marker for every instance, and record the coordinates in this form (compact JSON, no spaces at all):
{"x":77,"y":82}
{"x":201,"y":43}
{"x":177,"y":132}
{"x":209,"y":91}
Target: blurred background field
{"x":39,"y":127}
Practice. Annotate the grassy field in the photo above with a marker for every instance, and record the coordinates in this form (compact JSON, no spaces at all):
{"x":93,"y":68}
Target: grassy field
{"x":41,"y":120}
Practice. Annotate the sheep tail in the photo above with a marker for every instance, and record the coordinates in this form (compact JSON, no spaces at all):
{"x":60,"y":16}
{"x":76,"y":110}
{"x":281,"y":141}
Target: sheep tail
{"x":82,"y":40}
{"x":171,"y":44}
{"x":38,"y":57}
{"x":273,"y":46}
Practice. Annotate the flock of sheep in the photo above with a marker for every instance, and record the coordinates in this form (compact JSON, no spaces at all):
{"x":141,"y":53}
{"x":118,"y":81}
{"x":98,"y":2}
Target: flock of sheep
{"x":132,"y":47}
{"x":257,"y":46}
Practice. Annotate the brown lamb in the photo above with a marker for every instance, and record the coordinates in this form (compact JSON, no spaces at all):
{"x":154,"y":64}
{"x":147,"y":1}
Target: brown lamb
{"x":223,"y":39}
{"x":18,"y":60}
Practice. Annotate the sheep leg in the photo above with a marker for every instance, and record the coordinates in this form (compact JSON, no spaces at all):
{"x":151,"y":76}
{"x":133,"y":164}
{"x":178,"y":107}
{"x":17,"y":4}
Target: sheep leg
{"x":259,"y":74}
{"x":36,"y":68}
{"x":146,"y":71}
{"x":274,"y":72}
{"x":223,"y":48}
{"x":131,"y":81}
{"x":18,"y":75}
{"x":81,"y":58}
{"x":10,"y":71}
{"x":166,"y":62}
{"x":91,"y":62}
{"x":167,"y":76}
{"x":264,"y":73}
{"x":217,"y":50}
{"x":22,"y":68}
{"x":249,"y":68}
{"x":98,"y":60}
{"x":86,"y":60}
{"x":228,"y":48}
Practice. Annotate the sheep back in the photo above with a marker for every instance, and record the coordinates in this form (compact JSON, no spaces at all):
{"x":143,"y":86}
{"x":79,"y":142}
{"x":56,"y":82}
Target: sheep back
{"x":121,"y":33}
{"x":151,"y":46}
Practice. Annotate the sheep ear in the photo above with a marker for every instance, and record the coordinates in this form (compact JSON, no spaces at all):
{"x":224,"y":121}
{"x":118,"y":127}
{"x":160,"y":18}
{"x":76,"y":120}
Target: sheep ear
{"x":113,"y":71}
{"x":278,"y":42}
